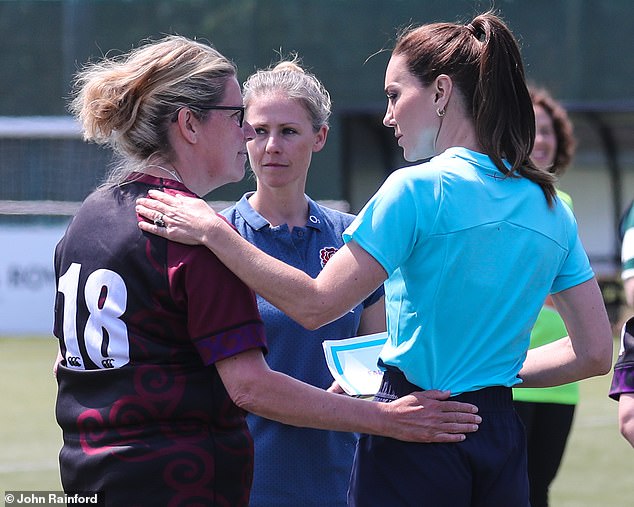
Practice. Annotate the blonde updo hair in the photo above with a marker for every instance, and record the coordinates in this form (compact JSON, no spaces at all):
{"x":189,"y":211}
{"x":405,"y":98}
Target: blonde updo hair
{"x":127,"y":102}
{"x":289,"y":78}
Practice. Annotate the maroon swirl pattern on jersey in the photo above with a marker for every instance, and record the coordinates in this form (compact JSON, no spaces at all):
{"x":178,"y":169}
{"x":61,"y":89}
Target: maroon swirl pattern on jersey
{"x":161,"y":429}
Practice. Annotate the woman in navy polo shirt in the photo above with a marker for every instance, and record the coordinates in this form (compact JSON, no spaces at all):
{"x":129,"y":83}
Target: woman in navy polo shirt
{"x":289,"y":109}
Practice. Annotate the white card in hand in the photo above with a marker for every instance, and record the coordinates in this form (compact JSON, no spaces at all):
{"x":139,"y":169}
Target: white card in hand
{"x":353,"y":363}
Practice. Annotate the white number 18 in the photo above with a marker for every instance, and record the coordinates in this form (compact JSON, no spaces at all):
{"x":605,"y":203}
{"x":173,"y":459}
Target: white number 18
{"x":105,"y":336}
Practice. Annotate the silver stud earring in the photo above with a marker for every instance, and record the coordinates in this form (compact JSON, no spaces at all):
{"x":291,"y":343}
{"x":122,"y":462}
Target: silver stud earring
{"x":440,"y":112}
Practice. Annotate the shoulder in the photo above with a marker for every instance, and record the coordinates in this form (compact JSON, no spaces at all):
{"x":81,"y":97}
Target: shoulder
{"x":232,"y":211}
{"x":329,"y":215}
{"x":418,"y":185}
{"x":229,"y":213}
{"x":98,"y":196}
{"x":453,"y":164}
{"x":190,"y":258}
{"x":410,"y":179}
{"x":238,"y":212}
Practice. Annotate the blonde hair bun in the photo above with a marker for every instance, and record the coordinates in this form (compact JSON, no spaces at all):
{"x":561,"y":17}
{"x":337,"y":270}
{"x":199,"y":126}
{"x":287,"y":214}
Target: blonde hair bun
{"x":288,"y":66}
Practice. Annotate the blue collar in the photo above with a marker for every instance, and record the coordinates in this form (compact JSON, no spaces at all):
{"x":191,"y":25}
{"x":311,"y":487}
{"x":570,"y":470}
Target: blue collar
{"x":257,"y":221}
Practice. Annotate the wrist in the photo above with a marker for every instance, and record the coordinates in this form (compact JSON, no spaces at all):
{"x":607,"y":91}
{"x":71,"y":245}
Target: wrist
{"x":382,"y":422}
{"x":212,"y":234}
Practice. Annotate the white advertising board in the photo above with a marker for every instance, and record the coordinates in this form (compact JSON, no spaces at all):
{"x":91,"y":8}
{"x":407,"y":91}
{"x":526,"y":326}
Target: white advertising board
{"x":27,"y":278}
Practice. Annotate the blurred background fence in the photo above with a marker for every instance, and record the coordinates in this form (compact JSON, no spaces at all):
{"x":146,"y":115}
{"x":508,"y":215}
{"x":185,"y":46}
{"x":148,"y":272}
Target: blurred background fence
{"x":579,"y":49}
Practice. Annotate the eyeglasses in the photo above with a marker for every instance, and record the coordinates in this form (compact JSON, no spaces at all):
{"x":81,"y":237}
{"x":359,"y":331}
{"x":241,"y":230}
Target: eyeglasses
{"x":239,"y":109}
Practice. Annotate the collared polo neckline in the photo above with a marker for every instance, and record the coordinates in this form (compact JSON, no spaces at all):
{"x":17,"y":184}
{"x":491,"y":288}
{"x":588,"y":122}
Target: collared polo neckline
{"x":481,"y":160}
{"x":257,"y":221}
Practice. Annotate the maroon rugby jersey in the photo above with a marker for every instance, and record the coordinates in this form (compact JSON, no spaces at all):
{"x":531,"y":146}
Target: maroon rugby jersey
{"x":141,"y":322}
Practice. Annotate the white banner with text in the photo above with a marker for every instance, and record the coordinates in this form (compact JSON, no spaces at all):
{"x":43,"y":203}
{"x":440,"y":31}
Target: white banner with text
{"x":27,"y":278}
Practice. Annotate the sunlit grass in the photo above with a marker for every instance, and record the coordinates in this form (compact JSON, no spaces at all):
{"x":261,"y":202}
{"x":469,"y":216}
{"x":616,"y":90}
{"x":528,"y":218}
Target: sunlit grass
{"x":596,"y":472}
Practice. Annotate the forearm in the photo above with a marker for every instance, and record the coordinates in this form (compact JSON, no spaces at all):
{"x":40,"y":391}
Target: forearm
{"x":289,"y":289}
{"x":626,"y":416}
{"x":555,"y":364}
{"x":312,"y":302}
{"x":420,"y":417}
{"x":257,"y":389}
{"x":284,"y":399}
{"x":348,"y":278}
{"x":585,"y":352}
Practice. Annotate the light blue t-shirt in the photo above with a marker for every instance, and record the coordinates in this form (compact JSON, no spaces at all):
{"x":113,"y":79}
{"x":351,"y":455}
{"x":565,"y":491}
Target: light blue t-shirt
{"x":470,"y":256}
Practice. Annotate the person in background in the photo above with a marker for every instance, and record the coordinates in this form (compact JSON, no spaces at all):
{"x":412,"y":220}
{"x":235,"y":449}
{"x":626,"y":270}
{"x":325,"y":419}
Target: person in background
{"x":547,"y":413}
{"x":163,"y":347}
{"x":626,"y":233}
{"x":622,"y":386}
{"x":468,"y":245}
{"x":288,"y":109}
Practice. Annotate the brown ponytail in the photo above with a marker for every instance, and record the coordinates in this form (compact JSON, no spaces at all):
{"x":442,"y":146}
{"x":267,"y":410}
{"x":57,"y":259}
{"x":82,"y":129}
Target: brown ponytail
{"x":483,"y":59}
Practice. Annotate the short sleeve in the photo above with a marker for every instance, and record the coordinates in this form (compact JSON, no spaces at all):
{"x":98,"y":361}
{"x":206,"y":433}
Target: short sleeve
{"x":576,"y":267}
{"x":396,"y":218}
{"x":223,"y":317}
{"x":623,"y":377}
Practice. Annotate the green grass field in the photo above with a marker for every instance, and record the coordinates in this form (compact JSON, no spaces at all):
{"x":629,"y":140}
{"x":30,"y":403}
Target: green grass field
{"x":596,"y":472}
{"x":29,"y":435}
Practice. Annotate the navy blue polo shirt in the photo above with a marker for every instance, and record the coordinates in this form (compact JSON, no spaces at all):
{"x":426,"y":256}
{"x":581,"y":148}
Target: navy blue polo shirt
{"x":299,"y":466}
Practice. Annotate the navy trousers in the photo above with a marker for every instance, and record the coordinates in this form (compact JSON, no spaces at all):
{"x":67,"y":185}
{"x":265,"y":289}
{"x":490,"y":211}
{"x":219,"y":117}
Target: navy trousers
{"x":487,"y":469}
